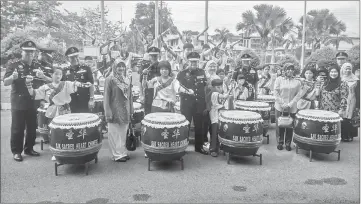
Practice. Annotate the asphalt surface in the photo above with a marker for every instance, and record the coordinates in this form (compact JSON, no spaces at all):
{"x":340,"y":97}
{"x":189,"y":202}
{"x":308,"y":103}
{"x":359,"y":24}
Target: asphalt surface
{"x":284,"y":177}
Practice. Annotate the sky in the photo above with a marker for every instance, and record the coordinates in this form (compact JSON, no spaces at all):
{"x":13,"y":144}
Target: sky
{"x":190,"y":15}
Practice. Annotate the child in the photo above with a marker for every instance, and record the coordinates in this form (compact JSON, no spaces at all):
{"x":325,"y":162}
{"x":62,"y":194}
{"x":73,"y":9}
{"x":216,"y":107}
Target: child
{"x":214,"y":100}
{"x":241,"y":92}
{"x":56,"y":93}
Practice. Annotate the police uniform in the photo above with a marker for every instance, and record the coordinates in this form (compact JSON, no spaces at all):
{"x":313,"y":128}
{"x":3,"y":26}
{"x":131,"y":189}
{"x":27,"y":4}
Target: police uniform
{"x":83,"y":74}
{"x":23,"y":111}
{"x":193,"y":106}
{"x":341,"y":55}
{"x":153,"y":71}
{"x":250,"y":74}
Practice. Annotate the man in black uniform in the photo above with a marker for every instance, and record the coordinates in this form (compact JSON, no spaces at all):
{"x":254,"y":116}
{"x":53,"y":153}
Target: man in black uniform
{"x":192,"y":100}
{"x":149,"y":73}
{"x":83,"y":100}
{"x":23,"y":110}
{"x":341,"y":58}
{"x":250,"y":74}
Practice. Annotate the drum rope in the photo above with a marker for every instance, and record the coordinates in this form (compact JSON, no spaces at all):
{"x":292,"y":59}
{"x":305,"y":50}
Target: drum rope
{"x":231,"y":143}
{"x":75,"y":153}
{"x":165,"y":150}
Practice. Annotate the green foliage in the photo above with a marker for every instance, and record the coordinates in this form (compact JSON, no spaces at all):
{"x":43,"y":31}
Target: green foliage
{"x":287,"y":58}
{"x":354,"y":54}
{"x":255,"y":60}
{"x":325,"y":53}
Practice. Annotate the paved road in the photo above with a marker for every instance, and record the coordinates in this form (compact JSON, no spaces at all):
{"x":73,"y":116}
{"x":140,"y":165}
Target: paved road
{"x":284,"y":177}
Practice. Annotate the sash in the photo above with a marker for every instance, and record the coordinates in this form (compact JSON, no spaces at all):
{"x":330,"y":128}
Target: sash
{"x":265,"y":82}
{"x":55,"y":92}
{"x":162,"y":86}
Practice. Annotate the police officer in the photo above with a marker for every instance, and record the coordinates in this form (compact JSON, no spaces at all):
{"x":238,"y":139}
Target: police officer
{"x":83,"y":100}
{"x":192,"y":98}
{"x":341,"y":58}
{"x":23,"y":110}
{"x":149,"y":73}
{"x":250,"y":74}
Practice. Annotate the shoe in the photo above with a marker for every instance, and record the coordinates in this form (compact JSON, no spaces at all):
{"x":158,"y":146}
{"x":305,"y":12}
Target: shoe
{"x":288,"y":147}
{"x":18,"y":157}
{"x":31,"y":153}
{"x":202,"y":151}
{"x":121,"y":160}
{"x":127,"y":157}
{"x":280,"y":147}
{"x":214,"y":154}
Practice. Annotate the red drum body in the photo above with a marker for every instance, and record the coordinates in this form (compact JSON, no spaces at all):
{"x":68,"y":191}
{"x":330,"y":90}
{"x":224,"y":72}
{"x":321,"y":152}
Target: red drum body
{"x":240,"y":132}
{"x":165,"y":136}
{"x":75,"y":138}
{"x":270,"y":99}
{"x":317,"y":130}
{"x":43,"y":122}
{"x":138,"y":114}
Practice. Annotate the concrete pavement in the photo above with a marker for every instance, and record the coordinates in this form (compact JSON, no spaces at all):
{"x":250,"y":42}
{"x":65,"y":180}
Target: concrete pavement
{"x":284,"y":177}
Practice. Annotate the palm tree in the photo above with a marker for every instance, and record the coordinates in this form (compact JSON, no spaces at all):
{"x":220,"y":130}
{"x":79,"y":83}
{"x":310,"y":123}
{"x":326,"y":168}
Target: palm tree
{"x":290,"y":42}
{"x":335,"y":35}
{"x":269,"y":21}
{"x":222,"y":33}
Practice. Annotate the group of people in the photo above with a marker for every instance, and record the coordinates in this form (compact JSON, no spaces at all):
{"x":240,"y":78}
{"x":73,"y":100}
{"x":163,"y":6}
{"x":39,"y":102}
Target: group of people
{"x":206,"y":82}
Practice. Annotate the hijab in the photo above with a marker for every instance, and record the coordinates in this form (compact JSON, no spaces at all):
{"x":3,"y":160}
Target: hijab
{"x":344,"y":76}
{"x":119,"y":79}
{"x":332,"y":84}
{"x":207,"y":67}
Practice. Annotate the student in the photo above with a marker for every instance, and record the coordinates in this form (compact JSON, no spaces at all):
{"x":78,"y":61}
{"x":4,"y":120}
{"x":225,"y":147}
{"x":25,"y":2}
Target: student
{"x":214,"y":100}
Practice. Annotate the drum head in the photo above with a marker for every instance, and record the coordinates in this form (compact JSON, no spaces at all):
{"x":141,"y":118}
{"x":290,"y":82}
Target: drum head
{"x":75,"y":120}
{"x":252,"y":105}
{"x":98,"y":97}
{"x":237,"y":116}
{"x":319,"y":115}
{"x":165,"y":120}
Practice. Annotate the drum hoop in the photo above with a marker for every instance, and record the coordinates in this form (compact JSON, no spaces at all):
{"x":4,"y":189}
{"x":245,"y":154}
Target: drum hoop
{"x":237,"y":121}
{"x":317,"y":142}
{"x":76,"y":125}
{"x":319,"y":119}
{"x":160,"y":125}
{"x":231,"y":143}
{"x":75,"y":153}
{"x":164,"y":150}
{"x":253,"y":108}
{"x":138,"y":110}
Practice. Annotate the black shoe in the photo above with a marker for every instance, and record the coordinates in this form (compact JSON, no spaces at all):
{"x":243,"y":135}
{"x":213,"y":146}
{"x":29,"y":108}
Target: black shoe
{"x":127,"y":157}
{"x":202,"y":151}
{"x":121,"y":160}
{"x":31,"y":153}
{"x":280,"y":147}
{"x":288,"y":147}
{"x":214,"y":154}
{"x":18,"y":157}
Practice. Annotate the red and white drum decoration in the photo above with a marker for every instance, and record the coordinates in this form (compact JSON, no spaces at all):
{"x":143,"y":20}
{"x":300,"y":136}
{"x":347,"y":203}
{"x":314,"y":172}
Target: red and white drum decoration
{"x":165,"y":136}
{"x":317,"y":130}
{"x":138,"y":114}
{"x":270,"y":99}
{"x":75,"y":138}
{"x":240,"y":132}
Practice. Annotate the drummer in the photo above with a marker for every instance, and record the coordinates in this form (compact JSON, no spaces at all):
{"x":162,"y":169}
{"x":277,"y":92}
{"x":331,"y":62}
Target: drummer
{"x":249,"y":73}
{"x":83,"y":100}
{"x":192,"y":96}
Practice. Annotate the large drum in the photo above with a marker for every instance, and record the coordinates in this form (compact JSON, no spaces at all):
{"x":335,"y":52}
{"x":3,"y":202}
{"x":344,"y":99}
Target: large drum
{"x":43,"y":121}
{"x":138,"y":114}
{"x":259,"y":107}
{"x":317,"y":130}
{"x":165,"y":136}
{"x":240,"y":132}
{"x":75,"y":138}
{"x":270,"y":99}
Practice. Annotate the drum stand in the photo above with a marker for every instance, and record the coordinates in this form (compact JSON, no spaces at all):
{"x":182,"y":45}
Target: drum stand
{"x":86,"y":166}
{"x":181,"y":160}
{"x":229,"y":155}
{"x":310,"y":151}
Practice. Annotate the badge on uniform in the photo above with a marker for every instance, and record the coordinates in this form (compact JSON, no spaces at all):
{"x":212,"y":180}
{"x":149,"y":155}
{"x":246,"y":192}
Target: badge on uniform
{"x":81,"y":71}
{"x":21,"y":68}
{"x":68,"y":72}
{"x":200,"y":77}
{"x":187,"y":74}
{"x":252,"y":71}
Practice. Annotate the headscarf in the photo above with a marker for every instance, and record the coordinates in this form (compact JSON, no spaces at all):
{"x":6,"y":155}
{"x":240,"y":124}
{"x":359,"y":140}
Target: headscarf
{"x":332,"y":84}
{"x":120,"y":80}
{"x":206,"y":69}
{"x":344,"y":76}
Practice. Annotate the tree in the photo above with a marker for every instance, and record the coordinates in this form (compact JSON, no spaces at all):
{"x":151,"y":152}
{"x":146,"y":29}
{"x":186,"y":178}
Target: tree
{"x":269,"y":21}
{"x":222,"y":33}
{"x":290,"y":42}
{"x":287,"y":58}
{"x":336,"y":35}
{"x":325,"y":53}
{"x":255,"y":60}
{"x":145,"y":18}
{"x":354,"y":54}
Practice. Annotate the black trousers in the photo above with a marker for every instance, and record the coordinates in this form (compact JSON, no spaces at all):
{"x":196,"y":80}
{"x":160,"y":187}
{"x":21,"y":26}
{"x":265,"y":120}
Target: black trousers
{"x":281,"y":132}
{"x":148,"y":100}
{"x":19,"y":119}
{"x":347,"y":130}
{"x":190,"y":113}
{"x":214,"y":146}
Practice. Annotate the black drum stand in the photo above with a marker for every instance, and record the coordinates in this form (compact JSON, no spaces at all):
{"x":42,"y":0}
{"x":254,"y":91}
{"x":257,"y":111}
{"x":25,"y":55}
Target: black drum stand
{"x":181,"y":160}
{"x":266,"y":135}
{"x":86,"y":166}
{"x":229,"y":155}
{"x":310,"y":151}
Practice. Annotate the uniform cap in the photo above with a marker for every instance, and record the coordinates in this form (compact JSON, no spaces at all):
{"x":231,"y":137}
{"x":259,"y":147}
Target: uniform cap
{"x":341,"y":55}
{"x":217,"y":82}
{"x":72,"y":51}
{"x":193,"y":56}
{"x":28,"y":45}
{"x":153,"y":51}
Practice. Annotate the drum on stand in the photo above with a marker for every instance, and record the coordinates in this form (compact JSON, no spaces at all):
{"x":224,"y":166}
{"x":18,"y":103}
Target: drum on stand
{"x":270,"y":99}
{"x":240,"y":133}
{"x":317,"y":131}
{"x":259,"y":107}
{"x":43,"y":122}
{"x":165,"y":137}
{"x":75,"y":139}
